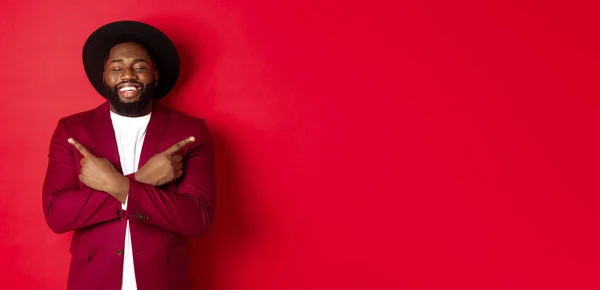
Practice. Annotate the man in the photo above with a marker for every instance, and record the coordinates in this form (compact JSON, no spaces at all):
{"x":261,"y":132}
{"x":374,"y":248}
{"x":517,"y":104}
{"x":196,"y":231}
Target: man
{"x":131,"y":178}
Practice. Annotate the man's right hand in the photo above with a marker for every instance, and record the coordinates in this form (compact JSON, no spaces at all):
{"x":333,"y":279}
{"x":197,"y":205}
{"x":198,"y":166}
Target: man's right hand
{"x":163,"y":167}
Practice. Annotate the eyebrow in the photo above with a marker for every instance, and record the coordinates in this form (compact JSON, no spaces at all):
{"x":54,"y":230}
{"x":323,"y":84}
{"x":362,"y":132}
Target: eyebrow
{"x":135,"y":60}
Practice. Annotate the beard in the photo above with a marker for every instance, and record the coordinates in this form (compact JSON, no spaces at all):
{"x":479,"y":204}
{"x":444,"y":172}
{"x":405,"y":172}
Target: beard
{"x":130,"y":109}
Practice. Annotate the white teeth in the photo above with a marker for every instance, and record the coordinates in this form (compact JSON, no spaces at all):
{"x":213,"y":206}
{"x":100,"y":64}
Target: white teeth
{"x":127,"y":89}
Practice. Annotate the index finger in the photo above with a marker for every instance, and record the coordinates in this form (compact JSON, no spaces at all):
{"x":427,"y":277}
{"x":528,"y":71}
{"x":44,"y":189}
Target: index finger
{"x":173,"y":149}
{"x":86,"y":153}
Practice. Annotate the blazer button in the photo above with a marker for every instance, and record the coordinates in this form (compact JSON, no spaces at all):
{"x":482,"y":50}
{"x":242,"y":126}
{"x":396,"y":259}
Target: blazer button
{"x":121,"y":214}
{"x":119,"y":252}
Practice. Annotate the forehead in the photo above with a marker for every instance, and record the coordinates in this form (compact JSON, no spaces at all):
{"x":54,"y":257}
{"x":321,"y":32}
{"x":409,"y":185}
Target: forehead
{"x":128,"y":50}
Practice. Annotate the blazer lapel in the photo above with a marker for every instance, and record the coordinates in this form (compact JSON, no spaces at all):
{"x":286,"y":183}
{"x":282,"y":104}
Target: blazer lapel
{"x":156,"y":128}
{"x":103,"y":135}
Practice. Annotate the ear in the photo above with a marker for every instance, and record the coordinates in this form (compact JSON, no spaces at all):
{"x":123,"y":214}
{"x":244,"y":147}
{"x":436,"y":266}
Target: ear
{"x":155,"y":78}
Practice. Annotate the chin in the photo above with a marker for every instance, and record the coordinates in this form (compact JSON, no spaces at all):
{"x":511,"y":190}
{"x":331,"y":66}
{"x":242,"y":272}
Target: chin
{"x":129,"y":99}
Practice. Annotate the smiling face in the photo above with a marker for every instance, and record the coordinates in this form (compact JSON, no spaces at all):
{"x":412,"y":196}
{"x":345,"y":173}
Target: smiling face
{"x":130,"y":78}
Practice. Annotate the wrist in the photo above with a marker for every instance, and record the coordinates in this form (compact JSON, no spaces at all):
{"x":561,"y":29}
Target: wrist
{"x":139,"y":177}
{"x":120,"y":188}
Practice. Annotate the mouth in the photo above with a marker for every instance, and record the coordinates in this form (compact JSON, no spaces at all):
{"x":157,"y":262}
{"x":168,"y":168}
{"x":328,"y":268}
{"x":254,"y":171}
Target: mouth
{"x":128,"y":90}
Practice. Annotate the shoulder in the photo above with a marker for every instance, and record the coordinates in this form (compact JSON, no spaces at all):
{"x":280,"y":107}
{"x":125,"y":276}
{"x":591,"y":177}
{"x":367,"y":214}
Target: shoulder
{"x":181,"y":126}
{"x":82,"y":117}
{"x":77,"y":117}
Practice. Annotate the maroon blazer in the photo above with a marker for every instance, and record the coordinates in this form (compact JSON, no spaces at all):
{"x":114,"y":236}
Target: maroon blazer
{"x":161,"y":218}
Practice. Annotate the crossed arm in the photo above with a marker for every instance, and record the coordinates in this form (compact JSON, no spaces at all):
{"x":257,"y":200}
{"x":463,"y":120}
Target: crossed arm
{"x":187,"y":211}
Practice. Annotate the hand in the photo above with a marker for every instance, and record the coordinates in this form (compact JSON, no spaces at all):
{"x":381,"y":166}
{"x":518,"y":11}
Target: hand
{"x":163,"y":167}
{"x":100,"y":174}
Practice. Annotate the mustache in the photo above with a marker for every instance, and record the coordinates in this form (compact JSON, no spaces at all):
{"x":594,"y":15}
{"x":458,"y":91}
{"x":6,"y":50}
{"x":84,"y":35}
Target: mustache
{"x":129,"y":82}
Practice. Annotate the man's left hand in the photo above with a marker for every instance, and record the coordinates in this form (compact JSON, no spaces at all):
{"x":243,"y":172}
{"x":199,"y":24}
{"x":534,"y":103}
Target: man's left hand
{"x":100,"y":174}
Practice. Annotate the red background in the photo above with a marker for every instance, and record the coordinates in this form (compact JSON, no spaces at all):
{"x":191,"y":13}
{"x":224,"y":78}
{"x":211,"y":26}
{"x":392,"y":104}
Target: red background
{"x":360,"y":145}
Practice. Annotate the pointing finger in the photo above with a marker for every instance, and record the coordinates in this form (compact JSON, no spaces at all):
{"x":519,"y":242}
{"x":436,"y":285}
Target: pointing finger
{"x":86,"y":153}
{"x":179,"y":145}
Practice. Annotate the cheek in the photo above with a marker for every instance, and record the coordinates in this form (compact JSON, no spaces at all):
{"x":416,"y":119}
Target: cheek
{"x":110,"y":79}
{"x":145,"y":78}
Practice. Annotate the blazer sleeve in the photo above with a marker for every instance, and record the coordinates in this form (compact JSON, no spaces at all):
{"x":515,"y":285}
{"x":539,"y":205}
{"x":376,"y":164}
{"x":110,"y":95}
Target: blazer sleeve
{"x":66,"y":206}
{"x":188,"y":209}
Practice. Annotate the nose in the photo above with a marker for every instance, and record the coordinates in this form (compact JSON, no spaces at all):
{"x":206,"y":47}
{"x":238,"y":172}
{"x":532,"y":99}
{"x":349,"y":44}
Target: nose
{"x":128,"y":74}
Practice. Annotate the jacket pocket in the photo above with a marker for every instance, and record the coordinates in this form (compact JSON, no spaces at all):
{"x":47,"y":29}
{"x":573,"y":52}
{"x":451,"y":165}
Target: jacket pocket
{"x":80,"y":252}
{"x":80,"y":275}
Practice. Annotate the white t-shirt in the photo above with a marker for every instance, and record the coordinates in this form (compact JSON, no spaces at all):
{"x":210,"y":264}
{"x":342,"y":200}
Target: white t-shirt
{"x":129,"y":134}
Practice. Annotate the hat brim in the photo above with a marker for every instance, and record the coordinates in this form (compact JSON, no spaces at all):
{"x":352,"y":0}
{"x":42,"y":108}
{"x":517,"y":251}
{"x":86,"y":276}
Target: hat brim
{"x":159,"y":45}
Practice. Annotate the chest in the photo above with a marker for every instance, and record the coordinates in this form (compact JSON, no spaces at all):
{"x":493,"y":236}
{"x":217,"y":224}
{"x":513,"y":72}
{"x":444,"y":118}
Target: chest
{"x":129,"y":139}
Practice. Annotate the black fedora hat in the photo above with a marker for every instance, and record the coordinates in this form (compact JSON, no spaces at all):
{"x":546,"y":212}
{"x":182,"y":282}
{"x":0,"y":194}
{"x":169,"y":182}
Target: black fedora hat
{"x":157,"y":43}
